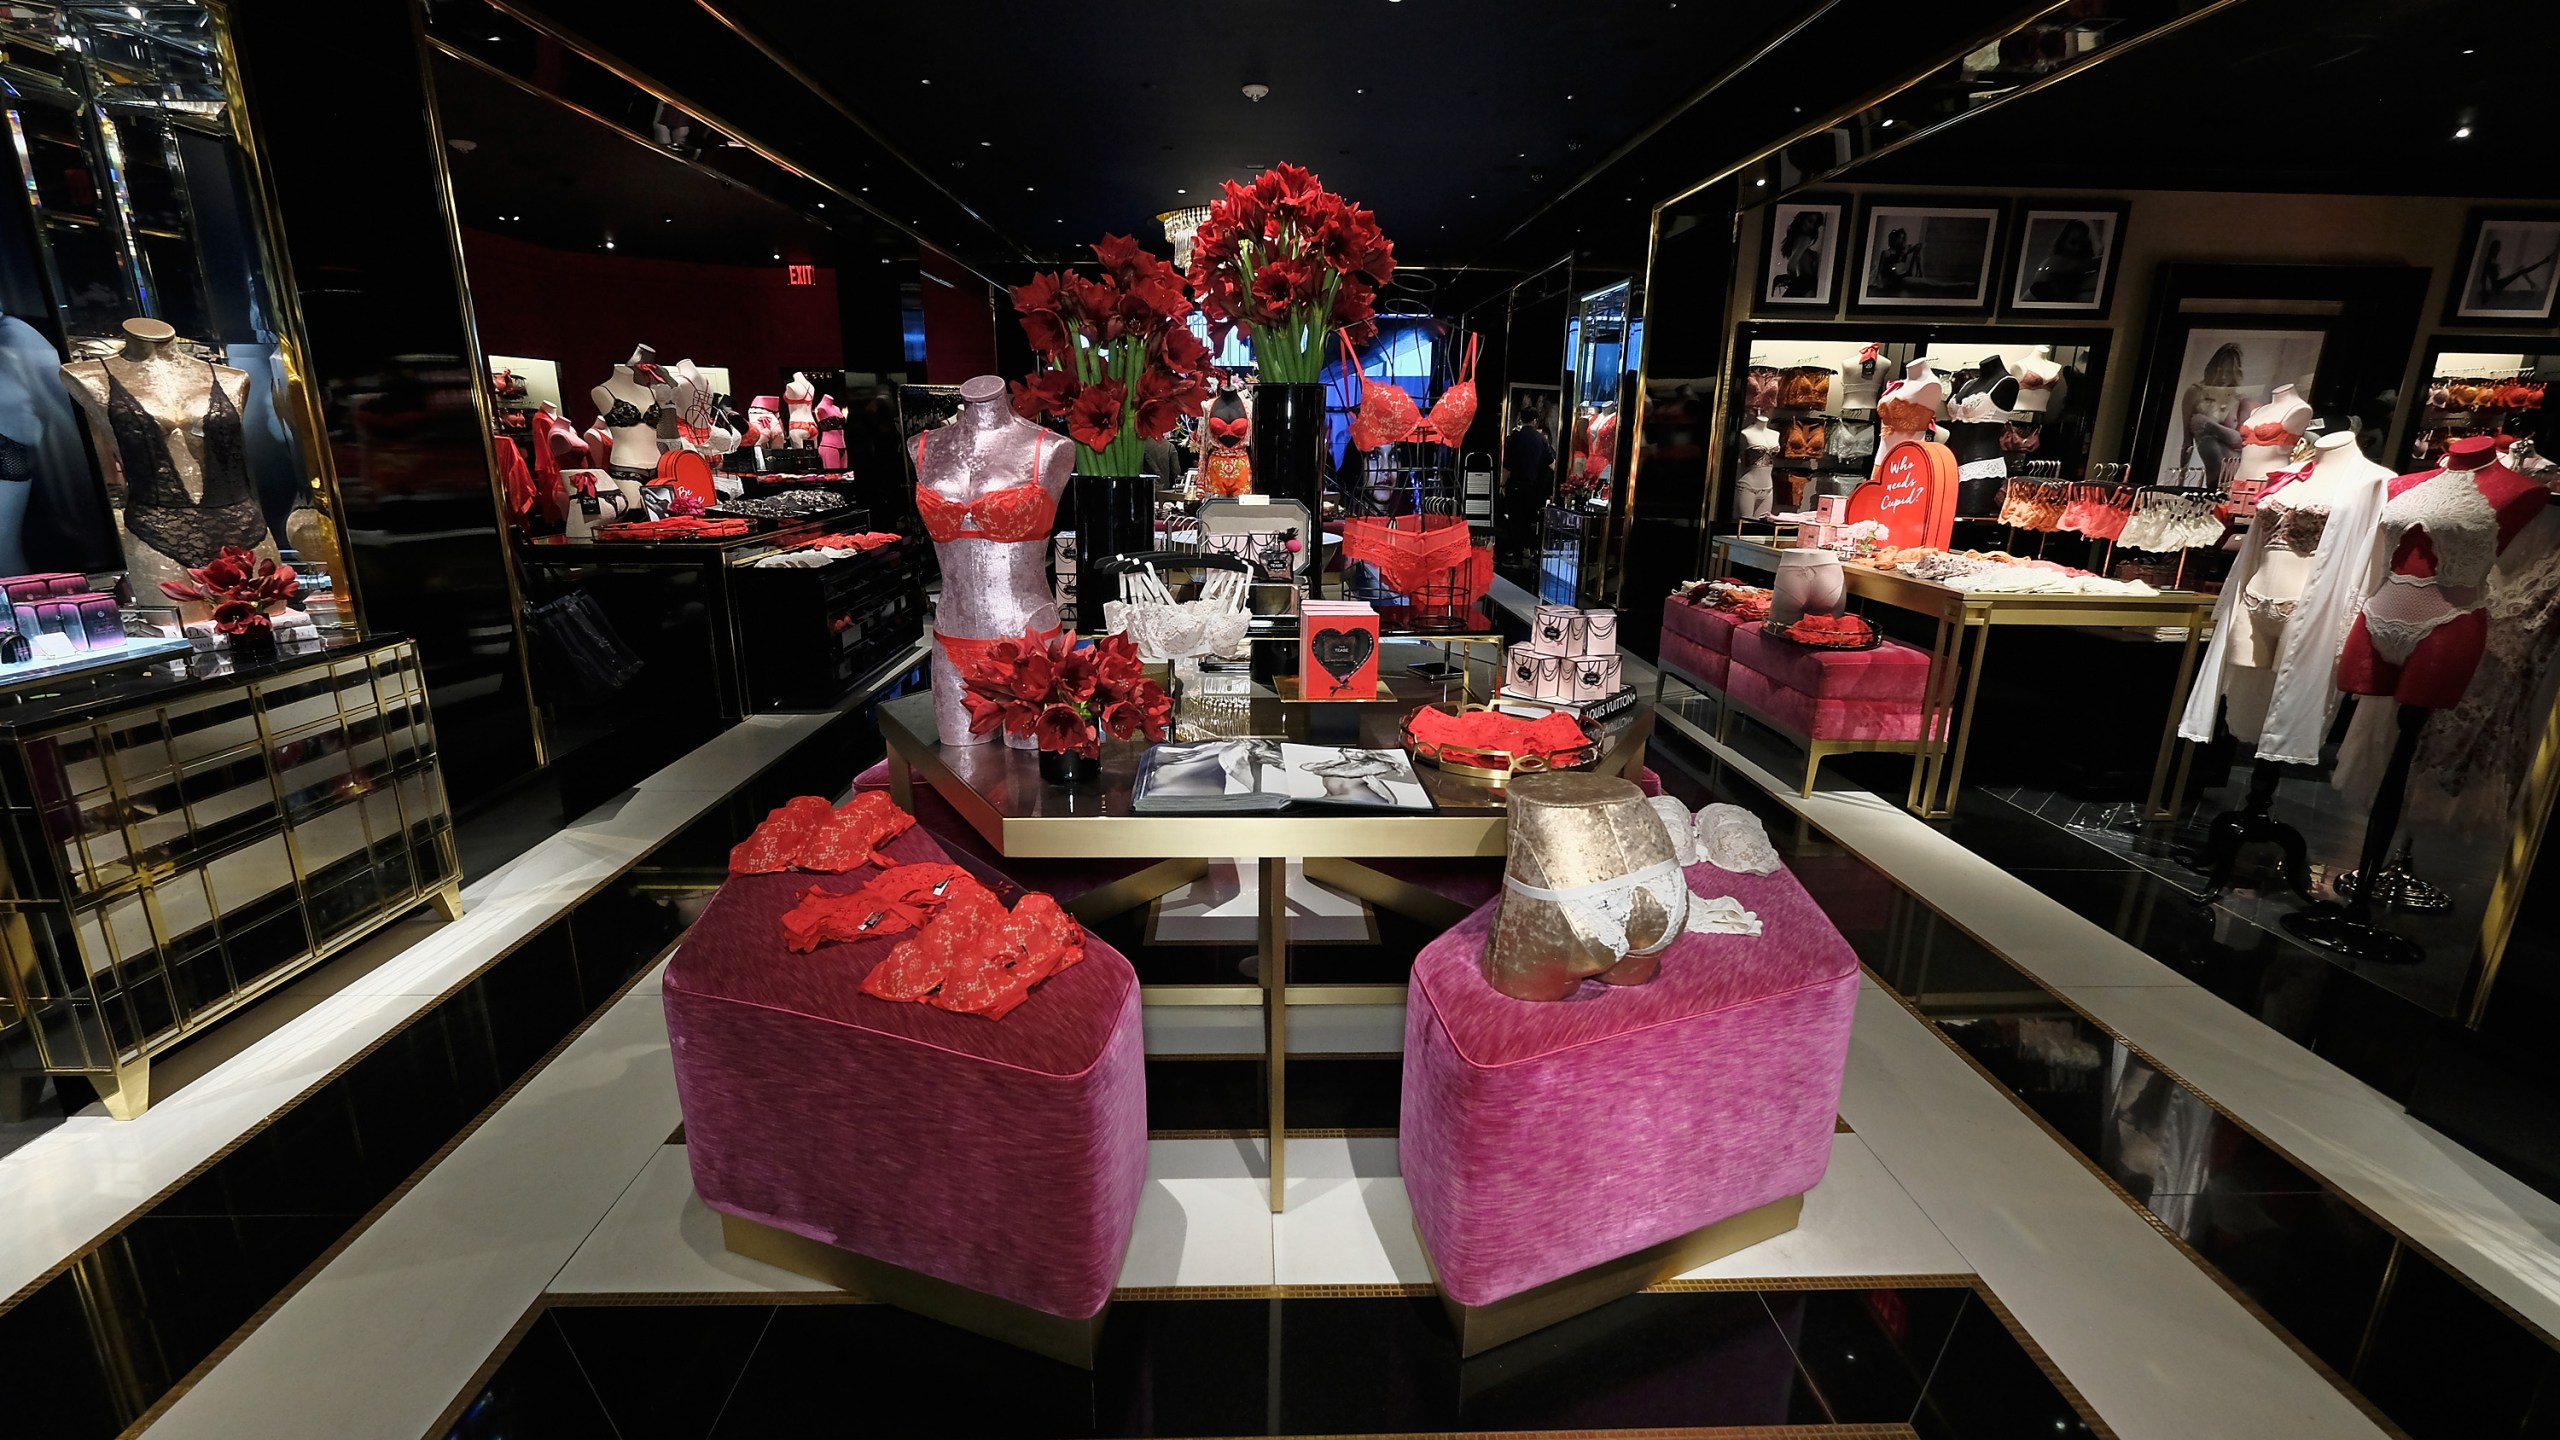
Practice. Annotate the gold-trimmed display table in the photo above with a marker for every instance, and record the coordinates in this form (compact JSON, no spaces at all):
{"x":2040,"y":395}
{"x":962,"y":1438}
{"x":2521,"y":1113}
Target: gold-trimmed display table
{"x":1964,"y":623}
{"x":998,"y":790}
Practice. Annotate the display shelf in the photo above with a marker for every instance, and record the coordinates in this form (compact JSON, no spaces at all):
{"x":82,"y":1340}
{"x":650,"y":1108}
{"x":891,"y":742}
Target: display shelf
{"x":133,"y":654}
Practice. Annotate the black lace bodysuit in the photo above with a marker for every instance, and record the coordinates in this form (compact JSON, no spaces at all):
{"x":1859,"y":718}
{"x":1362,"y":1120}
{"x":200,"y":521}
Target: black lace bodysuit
{"x":156,"y":504}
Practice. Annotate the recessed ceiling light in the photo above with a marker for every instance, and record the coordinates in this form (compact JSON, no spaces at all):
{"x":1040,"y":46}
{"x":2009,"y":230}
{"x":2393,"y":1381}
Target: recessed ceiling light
{"x":986,"y":144}
{"x":822,"y":204}
{"x":866,"y":189}
{"x":777,"y":254}
{"x":1178,"y":190}
{"x":1759,"y":182}
{"x":922,"y":81}
{"x":494,"y":39}
{"x":608,"y":244}
{"x":2462,"y":132}
{"x":1363,"y":90}
{"x":1027,"y":189}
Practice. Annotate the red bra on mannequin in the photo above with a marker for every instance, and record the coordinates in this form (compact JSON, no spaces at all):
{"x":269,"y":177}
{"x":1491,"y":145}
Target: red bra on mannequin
{"x":1009,"y":516}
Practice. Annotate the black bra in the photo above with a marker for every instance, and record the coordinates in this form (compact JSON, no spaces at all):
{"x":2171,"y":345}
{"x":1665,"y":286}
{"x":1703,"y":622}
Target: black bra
{"x":624,"y":415}
{"x":17,"y":460}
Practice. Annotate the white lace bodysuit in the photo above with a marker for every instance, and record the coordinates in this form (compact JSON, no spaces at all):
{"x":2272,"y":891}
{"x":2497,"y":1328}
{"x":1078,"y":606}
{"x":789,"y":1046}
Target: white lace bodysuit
{"x":2460,"y":528}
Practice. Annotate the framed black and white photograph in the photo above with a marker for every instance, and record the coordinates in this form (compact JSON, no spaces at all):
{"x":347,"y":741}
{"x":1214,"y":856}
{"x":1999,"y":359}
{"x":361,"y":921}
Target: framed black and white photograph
{"x":2064,"y":258}
{"x":1803,"y":269}
{"x":2228,"y":366}
{"x":1922,"y":256}
{"x":2510,"y":269}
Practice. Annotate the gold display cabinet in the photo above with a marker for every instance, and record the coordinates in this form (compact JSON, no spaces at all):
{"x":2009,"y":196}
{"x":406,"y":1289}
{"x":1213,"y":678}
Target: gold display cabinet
{"x":179,"y":842}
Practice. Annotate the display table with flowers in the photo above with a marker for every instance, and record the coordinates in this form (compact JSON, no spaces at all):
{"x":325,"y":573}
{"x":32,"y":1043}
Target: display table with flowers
{"x":1002,"y":794}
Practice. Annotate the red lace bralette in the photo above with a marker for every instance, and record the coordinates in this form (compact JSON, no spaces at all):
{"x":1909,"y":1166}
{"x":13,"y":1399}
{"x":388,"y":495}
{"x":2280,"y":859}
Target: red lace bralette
{"x":1387,"y":414}
{"x":1010,"y":516}
{"x":2273,"y":432}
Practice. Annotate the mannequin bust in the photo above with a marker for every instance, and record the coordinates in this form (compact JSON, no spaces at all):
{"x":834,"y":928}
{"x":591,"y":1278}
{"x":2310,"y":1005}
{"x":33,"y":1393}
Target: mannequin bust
{"x":2269,"y":435}
{"x":764,"y":421}
{"x":2420,"y":633}
{"x":2291,"y":524}
{"x":1755,"y":488}
{"x":1863,"y":382}
{"x":697,"y":422}
{"x":631,"y":413}
{"x":800,"y":413}
{"x":1977,"y":418}
{"x":831,"y":448}
{"x":1908,"y":409}
{"x":993,"y":545}
{"x":2039,"y":384}
{"x":599,"y":442}
{"x":172,"y":424}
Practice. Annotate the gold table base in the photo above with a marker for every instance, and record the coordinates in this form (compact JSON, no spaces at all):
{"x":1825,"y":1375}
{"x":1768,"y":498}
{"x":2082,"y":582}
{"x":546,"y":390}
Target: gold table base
{"x":1071,"y":1342}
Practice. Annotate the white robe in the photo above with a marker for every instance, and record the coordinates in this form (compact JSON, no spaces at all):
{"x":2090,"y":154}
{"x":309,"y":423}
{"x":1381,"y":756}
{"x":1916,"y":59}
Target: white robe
{"x":2346,"y":567}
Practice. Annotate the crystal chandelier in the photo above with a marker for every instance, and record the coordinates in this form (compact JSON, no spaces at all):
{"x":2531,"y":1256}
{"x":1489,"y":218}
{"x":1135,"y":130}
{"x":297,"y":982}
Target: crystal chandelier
{"x":1179,"y":227}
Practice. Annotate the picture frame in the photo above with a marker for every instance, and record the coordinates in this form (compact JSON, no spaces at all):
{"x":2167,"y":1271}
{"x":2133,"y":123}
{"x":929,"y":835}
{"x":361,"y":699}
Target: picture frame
{"x":2226,"y":366}
{"x":1926,"y":255}
{"x":2507,"y":272}
{"x":1800,"y":259}
{"x":2064,"y":257}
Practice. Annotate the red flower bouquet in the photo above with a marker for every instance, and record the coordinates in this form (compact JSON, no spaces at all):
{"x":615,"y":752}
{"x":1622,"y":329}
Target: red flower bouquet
{"x":241,"y":585}
{"x":1288,"y":259}
{"x":1065,"y":696}
{"x":1119,"y":365}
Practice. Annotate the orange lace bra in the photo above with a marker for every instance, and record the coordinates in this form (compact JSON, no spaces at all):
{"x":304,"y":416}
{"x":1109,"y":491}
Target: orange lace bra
{"x":2273,"y":432}
{"x":1905,"y":417}
{"x":1010,"y":516}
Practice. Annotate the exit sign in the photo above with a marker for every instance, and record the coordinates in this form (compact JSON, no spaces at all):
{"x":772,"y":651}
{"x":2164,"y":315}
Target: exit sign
{"x":803,"y":274}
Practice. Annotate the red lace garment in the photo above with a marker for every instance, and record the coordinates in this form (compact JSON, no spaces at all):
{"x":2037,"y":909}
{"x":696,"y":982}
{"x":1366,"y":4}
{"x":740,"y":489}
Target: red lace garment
{"x":809,"y":834}
{"x":898,"y":898}
{"x":1009,"y":516}
{"x":1419,"y":554}
{"x":974,"y":957}
{"x":1467,"y":737}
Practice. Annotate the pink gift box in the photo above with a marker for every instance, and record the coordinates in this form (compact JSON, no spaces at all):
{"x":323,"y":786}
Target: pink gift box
{"x":1592,"y":677}
{"x":1534,"y":675}
{"x":37,"y":587}
{"x":1556,"y":630}
{"x":1599,"y":632}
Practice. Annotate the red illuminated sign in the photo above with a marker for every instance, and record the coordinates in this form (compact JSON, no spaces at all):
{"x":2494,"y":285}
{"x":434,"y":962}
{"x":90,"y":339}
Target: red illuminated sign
{"x":803,"y":274}
{"x":1912,"y":496}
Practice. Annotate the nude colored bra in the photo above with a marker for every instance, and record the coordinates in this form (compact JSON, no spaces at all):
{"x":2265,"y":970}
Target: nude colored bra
{"x":1010,"y":516}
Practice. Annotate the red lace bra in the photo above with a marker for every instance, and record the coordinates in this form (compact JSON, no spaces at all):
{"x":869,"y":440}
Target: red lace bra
{"x":1387,"y":414}
{"x":1010,"y":516}
{"x":2273,"y":432}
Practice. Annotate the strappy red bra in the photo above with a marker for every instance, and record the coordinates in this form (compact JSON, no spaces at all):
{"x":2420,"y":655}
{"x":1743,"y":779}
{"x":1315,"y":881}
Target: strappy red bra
{"x":1387,"y":414}
{"x":1011,"y":516}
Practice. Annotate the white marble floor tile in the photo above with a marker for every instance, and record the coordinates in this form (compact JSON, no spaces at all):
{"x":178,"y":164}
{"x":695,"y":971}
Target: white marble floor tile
{"x":1204,"y":1218}
{"x":2156,"y":1347}
{"x":1347,"y":1220}
{"x":390,"y":1330}
{"x":660,"y":1238}
{"x":1204,"y":1029}
{"x":1858,"y":1221}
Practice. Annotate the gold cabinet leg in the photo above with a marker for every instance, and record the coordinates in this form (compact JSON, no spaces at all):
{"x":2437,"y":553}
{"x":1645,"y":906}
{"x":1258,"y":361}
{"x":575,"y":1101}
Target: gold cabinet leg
{"x":1274,"y":937}
{"x":2162,"y":803}
{"x":447,"y":898}
{"x":126,"y":1090}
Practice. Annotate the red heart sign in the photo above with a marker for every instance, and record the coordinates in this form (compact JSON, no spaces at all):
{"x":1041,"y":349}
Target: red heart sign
{"x":1910,"y":496}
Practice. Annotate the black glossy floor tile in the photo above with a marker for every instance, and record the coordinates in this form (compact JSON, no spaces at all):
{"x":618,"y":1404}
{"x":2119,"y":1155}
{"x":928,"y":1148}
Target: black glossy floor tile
{"x":1870,"y":1353}
{"x":1226,"y":1093}
{"x":2444,"y":1363}
{"x":662,"y":1373}
{"x":1987,"y":1387}
{"x":539,"y":1391}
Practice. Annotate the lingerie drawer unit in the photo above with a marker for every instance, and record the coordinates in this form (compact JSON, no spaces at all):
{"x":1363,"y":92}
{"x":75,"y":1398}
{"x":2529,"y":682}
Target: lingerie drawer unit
{"x":182,"y":841}
{"x":807,"y":633}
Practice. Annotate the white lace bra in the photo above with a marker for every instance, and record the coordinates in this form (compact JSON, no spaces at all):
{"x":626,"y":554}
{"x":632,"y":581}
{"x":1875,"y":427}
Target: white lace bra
{"x":2460,"y":525}
{"x":1186,"y":628}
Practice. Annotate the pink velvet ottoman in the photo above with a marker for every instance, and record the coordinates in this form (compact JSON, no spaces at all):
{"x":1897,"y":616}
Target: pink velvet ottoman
{"x":982,"y":1171}
{"x":1695,"y":660}
{"x":1559,"y":1155}
{"x":1702,"y":624}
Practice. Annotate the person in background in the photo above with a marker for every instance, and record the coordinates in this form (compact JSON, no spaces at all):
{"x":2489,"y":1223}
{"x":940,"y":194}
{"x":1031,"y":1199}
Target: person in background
{"x":1528,"y":466}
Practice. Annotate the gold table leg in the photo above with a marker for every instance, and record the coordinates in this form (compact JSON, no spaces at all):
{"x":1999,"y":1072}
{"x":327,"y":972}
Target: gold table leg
{"x":1274,"y":936}
{"x":1942,"y":800}
{"x":1937,"y":705}
{"x":2162,"y":803}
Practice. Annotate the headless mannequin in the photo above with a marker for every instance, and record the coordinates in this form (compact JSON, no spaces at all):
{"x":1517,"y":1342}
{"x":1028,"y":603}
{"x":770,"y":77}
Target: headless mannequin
{"x":1978,"y":414}
{"x":1755,"y":489}
{"x":2284,"y":408}
{"x":2417,"y":641}
{"x":2284,"y":571}
{"x":1918,"y":386}
{"x":990,"y":590}
{"x":176,"y":390}
{"x":634,"y":453}
{"x":2039,"y":385}
{"x":800,"y":414}
{"x":1862,"y":384}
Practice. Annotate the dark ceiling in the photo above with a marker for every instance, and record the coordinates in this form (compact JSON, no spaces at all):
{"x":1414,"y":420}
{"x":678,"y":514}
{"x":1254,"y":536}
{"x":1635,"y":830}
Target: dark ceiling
{"x":2307,"y":96}
{"x":530,"y":168}
{"x":1452,"y":119}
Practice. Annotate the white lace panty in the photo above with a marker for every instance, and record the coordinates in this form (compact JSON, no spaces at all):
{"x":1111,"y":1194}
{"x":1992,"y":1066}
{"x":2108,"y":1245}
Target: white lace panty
{"x":1603,"y":910}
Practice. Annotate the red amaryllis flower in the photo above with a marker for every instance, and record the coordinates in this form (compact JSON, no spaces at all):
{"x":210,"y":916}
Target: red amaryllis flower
{"x":1042,"y":306}
{"x":1094,"y":422}
{"x":1061,"y":728}
{"x":1289,"y":259}
{"x":1044,"y":393}
{"x":1077,"y":674}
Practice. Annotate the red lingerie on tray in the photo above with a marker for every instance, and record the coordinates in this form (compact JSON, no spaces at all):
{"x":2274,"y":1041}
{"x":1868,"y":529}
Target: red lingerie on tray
{"x":974,"y":957}
{"x":1421,"y":554}
{"x":809,"y":834}
{"x":676,"y":528}
{"x":1467,"y":737}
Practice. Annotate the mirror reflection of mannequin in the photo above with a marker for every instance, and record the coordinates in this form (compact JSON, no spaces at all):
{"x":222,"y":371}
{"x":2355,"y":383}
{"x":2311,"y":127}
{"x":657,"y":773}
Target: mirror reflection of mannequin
{"x":2209,"y":416}
{"x":1756,"y":486}
{"x":172,"y":424}
{"x":2269,"y":434}
{"x":992,"y":542}
{"x":800,"y":414}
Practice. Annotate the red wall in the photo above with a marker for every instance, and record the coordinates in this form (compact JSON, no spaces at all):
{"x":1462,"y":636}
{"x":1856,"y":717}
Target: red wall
{"x":959,"y":322}
{"x":588,"y":311}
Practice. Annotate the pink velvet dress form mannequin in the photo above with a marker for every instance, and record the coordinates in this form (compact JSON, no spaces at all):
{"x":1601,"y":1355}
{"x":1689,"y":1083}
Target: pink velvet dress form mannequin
{"x":995,"y":582}
{"x":2421,"y":631}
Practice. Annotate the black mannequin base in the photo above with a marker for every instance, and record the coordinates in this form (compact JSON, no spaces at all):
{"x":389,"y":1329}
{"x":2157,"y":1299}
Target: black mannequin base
{"x":2334,"y":927}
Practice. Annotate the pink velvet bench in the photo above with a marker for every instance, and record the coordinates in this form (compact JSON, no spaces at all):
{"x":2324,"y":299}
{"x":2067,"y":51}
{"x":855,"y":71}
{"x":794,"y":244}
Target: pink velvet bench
{"x":1829,"y":702}
{"x":1560,"y":1155}
{"x":984,"y":1172}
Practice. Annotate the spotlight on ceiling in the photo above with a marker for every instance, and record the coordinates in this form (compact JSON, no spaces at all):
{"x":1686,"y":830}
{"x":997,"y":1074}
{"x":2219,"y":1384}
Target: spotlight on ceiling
{"x":1255,"y":91}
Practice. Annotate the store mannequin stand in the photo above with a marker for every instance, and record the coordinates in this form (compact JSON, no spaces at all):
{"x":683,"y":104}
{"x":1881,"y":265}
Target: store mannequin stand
{"x":2349,"y":929}
{"x":2254,"y":823}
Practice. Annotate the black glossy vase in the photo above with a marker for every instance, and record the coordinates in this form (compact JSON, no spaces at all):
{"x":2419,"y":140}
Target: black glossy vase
{"x":1070,"y":768}
{"x":1114,"y":515}
{"x":1288,"y":455}
{"x":254,"y":644}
